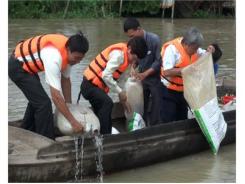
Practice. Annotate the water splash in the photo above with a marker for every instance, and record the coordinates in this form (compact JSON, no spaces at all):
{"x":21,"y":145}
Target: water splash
{"x":79,"y":142}
{"x":79,"y":153}
{"x":98,"y":141}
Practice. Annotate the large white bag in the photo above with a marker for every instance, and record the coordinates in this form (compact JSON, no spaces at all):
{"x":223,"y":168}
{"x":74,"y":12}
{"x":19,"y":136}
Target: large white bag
{"x":83,"y":114}
{"x":135,"y":98}
{"x":200,"y":93}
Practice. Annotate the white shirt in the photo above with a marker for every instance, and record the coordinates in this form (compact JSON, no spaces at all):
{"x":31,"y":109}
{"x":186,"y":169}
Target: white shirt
{"x":172,"y":57}
{"x":52,"y":62}
{"x":116,"y":58}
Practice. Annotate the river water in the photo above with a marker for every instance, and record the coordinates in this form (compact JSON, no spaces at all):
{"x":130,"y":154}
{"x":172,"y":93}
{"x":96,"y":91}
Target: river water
{"x":203,"y":167}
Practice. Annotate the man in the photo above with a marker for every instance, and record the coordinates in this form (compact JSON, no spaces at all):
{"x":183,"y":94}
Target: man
{"x":103,"y":75}
{"x":148,"y":70}
{"x":177,"y":54}
{"x":54,"y":54}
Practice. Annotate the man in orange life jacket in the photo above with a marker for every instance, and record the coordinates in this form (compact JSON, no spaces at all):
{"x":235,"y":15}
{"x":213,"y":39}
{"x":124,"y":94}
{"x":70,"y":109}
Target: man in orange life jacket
{"x":54,"y":54}
{"x":148,"y":70}
{"x":177,"y":54}
{"x":104,"y":73}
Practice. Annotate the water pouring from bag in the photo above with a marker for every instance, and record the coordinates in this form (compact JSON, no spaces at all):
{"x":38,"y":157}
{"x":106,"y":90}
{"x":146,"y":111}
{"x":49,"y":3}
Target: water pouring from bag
{"x":85,"y":115}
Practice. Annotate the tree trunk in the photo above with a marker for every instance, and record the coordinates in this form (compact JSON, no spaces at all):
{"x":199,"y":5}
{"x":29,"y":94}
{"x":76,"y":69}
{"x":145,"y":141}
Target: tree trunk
{"x":66,"y":9}
{"x":120,"y":9}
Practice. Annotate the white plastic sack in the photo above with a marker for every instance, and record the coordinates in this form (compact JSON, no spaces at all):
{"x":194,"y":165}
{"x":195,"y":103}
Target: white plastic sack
{"x":114,"y":131}
{"x":136,"y":122}
{"x":82,"y":114}
{"x":200,"y":93}
{"x":135,"y":98}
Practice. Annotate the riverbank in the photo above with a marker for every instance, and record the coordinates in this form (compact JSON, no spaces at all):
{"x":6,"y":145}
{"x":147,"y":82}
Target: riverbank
{"x":113,"y":9}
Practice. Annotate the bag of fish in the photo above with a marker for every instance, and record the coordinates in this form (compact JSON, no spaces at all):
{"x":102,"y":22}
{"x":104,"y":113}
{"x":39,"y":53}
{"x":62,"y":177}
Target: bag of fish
{"x":83,"y":114}
{"x":135,"y":98}
{"x":201,"y":94}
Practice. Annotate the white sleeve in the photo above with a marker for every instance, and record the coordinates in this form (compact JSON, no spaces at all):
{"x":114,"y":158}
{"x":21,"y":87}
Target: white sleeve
{"x":116,"y":58}
{"x":52,"y":64}
{"x":170,"y":58}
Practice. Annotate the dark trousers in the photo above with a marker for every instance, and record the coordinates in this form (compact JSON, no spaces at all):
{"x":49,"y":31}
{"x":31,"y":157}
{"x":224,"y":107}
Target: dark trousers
{"x":38,"y":116}
{"x":174,"y":106}
{"x":152,"y":89}
{"x":102,"y":104}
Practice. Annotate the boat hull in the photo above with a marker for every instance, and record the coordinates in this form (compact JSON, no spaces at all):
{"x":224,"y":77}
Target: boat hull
{"x":56,"y":162}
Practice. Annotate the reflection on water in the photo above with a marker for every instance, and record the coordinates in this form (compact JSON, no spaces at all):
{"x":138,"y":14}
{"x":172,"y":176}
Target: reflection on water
{"x":201,"y":167}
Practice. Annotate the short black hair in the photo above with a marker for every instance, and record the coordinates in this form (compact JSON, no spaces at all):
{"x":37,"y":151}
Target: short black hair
{"x":217,"y":53}
{"x":78,"y":43}
{"x":138,"y":46}
{"x":130,"y":23}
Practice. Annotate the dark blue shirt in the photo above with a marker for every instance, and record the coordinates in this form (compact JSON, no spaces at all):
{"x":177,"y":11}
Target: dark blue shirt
{"x":153,"y":58}
{"x":216,"y":68}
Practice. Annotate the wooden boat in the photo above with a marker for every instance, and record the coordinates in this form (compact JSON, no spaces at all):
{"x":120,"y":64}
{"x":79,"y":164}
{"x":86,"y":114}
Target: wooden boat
{"x":34,"y":158}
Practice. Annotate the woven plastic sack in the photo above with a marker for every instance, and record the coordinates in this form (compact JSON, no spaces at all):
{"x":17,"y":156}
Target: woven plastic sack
{"x":135,"y":98}
{"x":201,"y":95}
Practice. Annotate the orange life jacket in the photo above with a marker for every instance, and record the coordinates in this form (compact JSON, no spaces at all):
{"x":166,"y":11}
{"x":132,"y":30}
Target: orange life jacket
{"x":29,"y":51}
{"x":176,"y":83}
{"x":94,"y":71}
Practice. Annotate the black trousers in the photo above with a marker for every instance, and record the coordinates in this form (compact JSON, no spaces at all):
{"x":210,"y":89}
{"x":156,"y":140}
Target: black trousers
{"x":152,"y":89}
{"x":174,"y":106}
{"x":38,"y":116}
{"x":102,"y":104}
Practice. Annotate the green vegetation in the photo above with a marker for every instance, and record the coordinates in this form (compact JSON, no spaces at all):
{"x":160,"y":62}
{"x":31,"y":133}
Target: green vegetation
{"x":109,"y":8}
{"x":75,"y":8}
{"x":203,"y":14}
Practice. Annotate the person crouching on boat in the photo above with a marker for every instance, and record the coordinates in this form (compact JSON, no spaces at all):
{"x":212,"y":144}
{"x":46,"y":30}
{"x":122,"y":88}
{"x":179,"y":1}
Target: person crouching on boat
{"x":177,"y":54}
{"x":104,"y":74}
{"x":54,"y":54}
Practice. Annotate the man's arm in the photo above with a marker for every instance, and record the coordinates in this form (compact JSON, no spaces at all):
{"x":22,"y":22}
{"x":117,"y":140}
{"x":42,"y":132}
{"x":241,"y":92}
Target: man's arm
{"x":156,"y":65}
{"x":142,"y":76}
{"x":116,"y":58}
{"x":62,"y":107}
{"x":169,"y":61}
{"x":66,"y":88}
{"x":172,"y":72}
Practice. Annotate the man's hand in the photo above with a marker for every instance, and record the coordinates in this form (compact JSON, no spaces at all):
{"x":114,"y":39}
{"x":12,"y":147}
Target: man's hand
{"x":77,"y":126}
{"x":122,"y":96}
{"x":127,"y":107}
{"x":133,"y":72}
{"x":140,"y":76}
